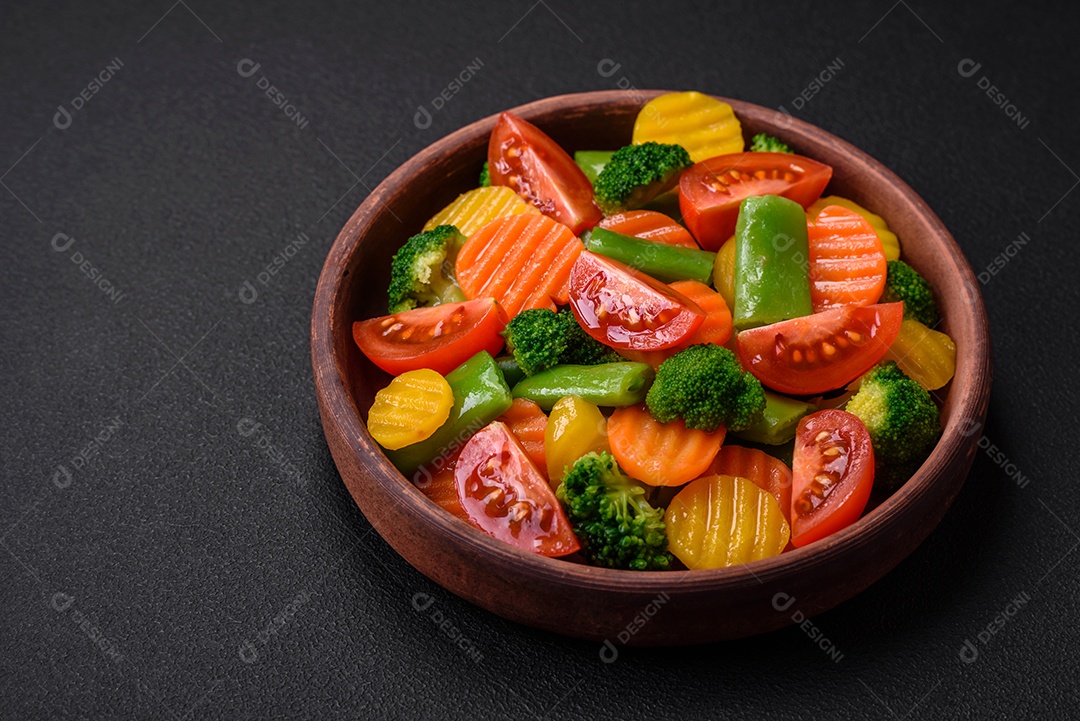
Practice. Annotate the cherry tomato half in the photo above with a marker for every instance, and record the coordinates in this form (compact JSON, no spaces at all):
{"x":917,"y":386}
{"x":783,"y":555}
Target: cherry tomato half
{"x":625,"y":308}
{"x":710,"y":191}
{"x":505,"y":496}
{"x":525,"y":159}
{"x":820,"y":352}
{"x":833,"y":469}
{"x":441,"y":337}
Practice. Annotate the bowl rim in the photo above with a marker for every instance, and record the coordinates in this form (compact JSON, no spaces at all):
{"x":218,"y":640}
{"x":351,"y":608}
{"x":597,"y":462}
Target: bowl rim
{"x":331,"y":388}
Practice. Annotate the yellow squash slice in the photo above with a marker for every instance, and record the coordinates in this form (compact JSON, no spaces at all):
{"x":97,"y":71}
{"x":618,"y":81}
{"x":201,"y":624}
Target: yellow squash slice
{"x":719,"y":521}
{"x":703,"y":125}
{"x":925,"y":355}
{"x":475,"y":209}
{"x":410,"y":409}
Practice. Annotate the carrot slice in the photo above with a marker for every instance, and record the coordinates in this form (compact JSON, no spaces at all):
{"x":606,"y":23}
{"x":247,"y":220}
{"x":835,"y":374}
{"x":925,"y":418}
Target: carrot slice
{"x":650,"y":225}
{"x":523,"y":261}
{"x":528,"y":423}
{"x":847,"y":261}
{"x":660,"y":454}
{"x":764,"y":471}
{"x":716,"y":328}
{"x":436,"y":481}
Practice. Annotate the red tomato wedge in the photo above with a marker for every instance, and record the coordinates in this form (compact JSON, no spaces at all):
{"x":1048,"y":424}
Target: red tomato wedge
{"x":833,"y":475}
{"x":441,"y":337}
{"x":820,"y":352}
{"x":764,"y":471}
{"x":624,"y":308}
{"x":710,"y":191}
{"x":716,"y":328}
{"x":847,"y":261}
{"x":649,"y":225}
{"x":505,"y":496}
{"x":523,"y":261}
{"x":523,"y":158}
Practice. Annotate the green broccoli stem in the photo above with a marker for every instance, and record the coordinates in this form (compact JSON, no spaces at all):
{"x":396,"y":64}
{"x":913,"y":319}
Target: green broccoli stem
{"x":510,"y":369}
{"x":592,"y":162}
{"x":777,"y":426}
{"x":608,"y":384}
{"x":480,"y":396}
{"x":662,"y":261}
{"x":446,"y":290}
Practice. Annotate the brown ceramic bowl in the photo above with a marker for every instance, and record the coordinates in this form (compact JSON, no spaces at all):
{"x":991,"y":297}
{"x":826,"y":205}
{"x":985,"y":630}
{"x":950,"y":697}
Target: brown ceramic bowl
{"x":651,"y":608}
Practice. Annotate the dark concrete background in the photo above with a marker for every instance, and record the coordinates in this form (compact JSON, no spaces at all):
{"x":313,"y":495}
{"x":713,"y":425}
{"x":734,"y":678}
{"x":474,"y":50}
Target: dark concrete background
{"x":203,"y":559}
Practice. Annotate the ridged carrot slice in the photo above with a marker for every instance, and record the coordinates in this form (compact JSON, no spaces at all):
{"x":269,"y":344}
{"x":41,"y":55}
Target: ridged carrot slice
{"x":766,"y":472}
{"x":927,"y":356}
{"x":523,"y":261}
{"x":528,"y":423}
{"x":716,"y":328}
{"x":889,"y":242}
{"x":719,"y":521}
{"x":705,"y":126}
{"x":436,"y":481}
{"x":847,"y":262}
{"x":476,"y":208}
{"x":660,"y":454}
{"x":650,"y":225}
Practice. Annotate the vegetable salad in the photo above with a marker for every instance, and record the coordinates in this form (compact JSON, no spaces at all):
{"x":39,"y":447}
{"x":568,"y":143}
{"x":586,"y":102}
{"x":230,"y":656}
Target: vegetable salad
{"x":680,"y":354}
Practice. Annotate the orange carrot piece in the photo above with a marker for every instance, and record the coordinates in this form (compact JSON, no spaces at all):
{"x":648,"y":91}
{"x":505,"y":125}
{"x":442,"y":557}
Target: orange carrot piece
{"x":660,"y":454}
{"x":650,"y":225}
{"x":847,"y":260}
{"x":766,"y":472}
{"x":436,"y":481}
{"x":528,"y":423}
{"x":716,"y":328}
{"x":523,"y":261}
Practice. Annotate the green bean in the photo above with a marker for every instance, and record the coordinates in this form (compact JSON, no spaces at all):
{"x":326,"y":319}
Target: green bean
{"x":607,"y":384}
{"x":662,"y":261}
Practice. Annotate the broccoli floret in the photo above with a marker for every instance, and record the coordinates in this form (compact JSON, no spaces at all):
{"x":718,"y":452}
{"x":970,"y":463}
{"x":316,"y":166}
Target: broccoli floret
{"x":615,"y":524}
{"x":485,"y":176}
{"x":422,"y":272}
{"x":768,"y":144}
{"x":540,"y":338}
{"x":903,"y":422}
{"x":638,"y":173}
{"x":904,"y":283}
{"x":705,"y":386}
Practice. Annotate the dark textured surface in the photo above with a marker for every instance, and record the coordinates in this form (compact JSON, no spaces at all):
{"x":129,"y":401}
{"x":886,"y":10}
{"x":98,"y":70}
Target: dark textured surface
{"x":223,"y":563}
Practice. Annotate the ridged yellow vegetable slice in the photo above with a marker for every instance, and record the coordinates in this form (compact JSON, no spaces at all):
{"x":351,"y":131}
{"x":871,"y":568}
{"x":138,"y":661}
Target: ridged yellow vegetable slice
{"x":575,"y":427}
{"x":724,"y":271}
{"x":889,"y":242}
{"x":410,"y":409}
{"x":925,"y":355}
{"x":719,"y":521}
{"x":476,"y":208}
{"x":703,"y":125}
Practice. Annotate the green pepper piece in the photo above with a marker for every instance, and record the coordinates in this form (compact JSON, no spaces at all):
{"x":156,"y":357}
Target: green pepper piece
{"x":782,"y":415}
{"x":480,"y":396}
{"x":607,"y":384}
{"x":772,"y":262}
{"x":592,"y":161}
{"x":662,"y":261}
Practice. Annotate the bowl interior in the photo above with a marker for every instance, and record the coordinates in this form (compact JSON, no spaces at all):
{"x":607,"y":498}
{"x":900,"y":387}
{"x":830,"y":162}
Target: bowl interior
{"x":356,"y":274}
